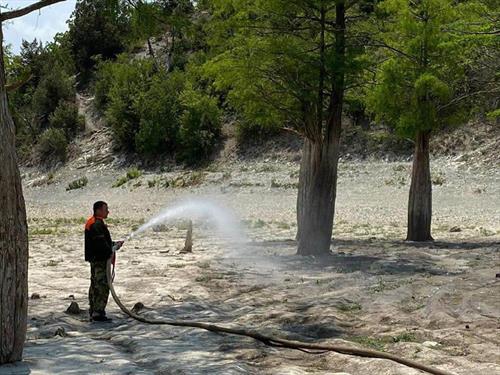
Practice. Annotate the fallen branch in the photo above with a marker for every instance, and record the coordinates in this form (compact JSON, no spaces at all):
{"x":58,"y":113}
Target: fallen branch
{"x":273,"y":341}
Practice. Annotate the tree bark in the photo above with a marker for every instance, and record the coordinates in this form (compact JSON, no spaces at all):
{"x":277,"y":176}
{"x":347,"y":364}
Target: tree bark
{"x":316,"y":197}
{"x":13,"y":238}
{"x":420,"y":200}
{"x":319,"y":164}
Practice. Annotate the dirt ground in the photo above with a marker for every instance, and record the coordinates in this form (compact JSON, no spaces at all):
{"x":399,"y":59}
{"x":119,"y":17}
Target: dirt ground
{"x":438,"y":303}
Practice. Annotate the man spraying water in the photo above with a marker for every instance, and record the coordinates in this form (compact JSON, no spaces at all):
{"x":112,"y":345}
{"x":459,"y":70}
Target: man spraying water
{"x":98,"y":249}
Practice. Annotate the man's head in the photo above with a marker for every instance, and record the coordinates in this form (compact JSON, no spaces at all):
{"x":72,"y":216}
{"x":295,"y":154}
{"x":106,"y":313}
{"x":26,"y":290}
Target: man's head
{"x":101,"y":209}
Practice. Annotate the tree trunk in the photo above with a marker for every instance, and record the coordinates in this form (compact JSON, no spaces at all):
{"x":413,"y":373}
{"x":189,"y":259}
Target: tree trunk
{"x":13,"y":238}
{"x":420,"y":201}
{"x":316,"y":197}
{"x":320,"y":155}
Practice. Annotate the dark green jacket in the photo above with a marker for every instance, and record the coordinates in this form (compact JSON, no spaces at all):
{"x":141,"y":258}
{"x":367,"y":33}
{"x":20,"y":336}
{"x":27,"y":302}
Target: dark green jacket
{"x":98,"y":244}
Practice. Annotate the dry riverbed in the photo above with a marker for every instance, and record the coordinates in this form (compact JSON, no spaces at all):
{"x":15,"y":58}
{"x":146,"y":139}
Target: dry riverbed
{"x":438,"y":303}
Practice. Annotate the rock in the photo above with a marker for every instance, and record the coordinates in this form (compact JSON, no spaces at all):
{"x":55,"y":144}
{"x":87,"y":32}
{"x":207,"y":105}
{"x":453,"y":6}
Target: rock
{"x":430,"y":344}
{"x":73,"y":308}
{"x":455,"y":229}
{"x":137,"y":307}
{"x":60,"y":331}
{"x":35,"y":296}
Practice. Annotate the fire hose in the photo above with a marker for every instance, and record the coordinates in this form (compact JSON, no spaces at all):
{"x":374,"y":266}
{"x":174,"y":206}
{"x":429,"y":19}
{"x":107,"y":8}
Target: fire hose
{"x":277,"y":342}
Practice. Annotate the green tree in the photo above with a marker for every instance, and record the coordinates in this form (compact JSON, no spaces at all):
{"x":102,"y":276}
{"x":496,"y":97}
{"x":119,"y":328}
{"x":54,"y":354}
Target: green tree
{"x":171,"y":19}
{"x":96,"y":27}
{"x":200,"y":126}
{"x":289,"y":64}
{"x":423,"y":83}
{"x":128,"y":83}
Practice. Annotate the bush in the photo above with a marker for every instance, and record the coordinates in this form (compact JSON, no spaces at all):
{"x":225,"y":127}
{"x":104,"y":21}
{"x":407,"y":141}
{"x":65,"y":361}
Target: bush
{"x":200,"y":126}
{"x":159,"y":110}
{"x":131,"y":174}
{"x":66,"y":118}
{"x":248,"y":131}
{"x":129,"y":81}
{"x":102,"y":85}
{"x":77,"y":184}
{"x":53,"y":142}
{"x":54,"y":88}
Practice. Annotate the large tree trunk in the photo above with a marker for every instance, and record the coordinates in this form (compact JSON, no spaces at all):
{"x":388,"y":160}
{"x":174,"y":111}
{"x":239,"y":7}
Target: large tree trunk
{"x":420,"y":201}
{"x":320,"y":155}
{"x":13,"y":238}
{"x":316,"y":197}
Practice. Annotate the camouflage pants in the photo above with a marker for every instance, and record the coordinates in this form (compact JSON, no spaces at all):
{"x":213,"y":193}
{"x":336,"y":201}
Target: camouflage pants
{"x":99,"y":290}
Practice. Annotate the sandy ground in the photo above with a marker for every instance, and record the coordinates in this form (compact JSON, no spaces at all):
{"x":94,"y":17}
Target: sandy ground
{"x":438,"y":303}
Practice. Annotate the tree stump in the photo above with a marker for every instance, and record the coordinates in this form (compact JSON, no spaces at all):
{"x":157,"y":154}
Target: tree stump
{"x":188,"y":244}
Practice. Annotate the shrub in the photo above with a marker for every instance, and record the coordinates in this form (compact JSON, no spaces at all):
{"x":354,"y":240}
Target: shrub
{"x":131,"y":174}
{"x":55,"y":87}
{"x":66,"y":118}
{"x":53,"y":142}
{"x":246,"y":131}
{"x":129,"y":82}
{"x":159,"y":110}
{"x":102,"y":85}
{"x":200,"y":126}
{"x":77,"y":184}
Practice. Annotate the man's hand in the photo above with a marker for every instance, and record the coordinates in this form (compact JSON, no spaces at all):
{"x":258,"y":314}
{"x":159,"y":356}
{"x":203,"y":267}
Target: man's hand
{"x":118,"y":245}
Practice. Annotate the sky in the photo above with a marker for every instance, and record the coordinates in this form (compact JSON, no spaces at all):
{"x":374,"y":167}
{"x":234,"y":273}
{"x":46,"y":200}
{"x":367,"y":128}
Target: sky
{"x":42,"y":24}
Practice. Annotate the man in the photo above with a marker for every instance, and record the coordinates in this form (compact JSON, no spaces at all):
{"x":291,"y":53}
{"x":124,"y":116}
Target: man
{"x":98,"y":249}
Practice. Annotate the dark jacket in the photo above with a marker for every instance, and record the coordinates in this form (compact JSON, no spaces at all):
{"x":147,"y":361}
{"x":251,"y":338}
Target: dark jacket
{"x":98,"y":244}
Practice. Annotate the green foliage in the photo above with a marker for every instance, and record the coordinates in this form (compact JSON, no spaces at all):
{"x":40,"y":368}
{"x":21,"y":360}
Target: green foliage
{"x":277,"y":62}
{"x":53,"y":143}
{"x":128,"y":81}
{"x":54,"y":88}
{"x":159,"y":109}
{"x":77,"y":184}
{"x":96,"y":28}
{"x":131,"y":174}
{"x":66,"y":118}
{"x":200,"y":126}
{"x":424,"y":78}
{"x":154,"y":112}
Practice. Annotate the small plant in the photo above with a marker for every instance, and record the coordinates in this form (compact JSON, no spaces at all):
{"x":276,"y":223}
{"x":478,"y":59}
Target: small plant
{"x":438,"y":179}
{"x":53,"y":142}
{"x":283,"y":225}
{"x":77,"y":184}
{"x":259,"y":223}
{"x":284,"y":185}
{"x":348,"y":306}
{"x":131,"y":174}
{"x":405,"y":337}
{"x":120,"y":181}
{"x":371,"y":342}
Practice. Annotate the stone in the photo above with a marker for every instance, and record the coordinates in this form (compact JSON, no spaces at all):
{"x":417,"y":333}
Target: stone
{"x":455,"y":229}
{"x":137,"y":307}
{"x":430,"y":344}
{"x":35,"y":296}
{"x":73,"y":308}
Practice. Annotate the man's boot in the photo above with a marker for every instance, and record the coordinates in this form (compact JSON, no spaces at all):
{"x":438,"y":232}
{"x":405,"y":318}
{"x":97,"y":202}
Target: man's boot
{"x":100,"y":316}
